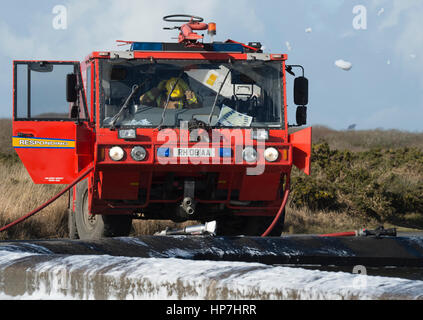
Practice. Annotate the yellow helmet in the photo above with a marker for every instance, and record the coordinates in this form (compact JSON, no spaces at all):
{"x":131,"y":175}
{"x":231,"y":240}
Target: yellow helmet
{"x":178,"y":92}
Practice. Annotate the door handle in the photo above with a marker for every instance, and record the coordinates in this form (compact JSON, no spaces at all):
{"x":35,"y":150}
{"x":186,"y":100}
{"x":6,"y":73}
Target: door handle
{"x":25,"y":135}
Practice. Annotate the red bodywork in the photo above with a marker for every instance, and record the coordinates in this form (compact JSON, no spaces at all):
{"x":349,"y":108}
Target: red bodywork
{"x":125,"y":187}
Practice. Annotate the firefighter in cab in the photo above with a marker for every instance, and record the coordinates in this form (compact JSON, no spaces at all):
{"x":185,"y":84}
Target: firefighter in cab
{"x":181,"y":96}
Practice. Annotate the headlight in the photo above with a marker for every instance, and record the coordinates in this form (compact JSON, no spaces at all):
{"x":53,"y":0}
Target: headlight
{"x":250,"y":155}
{"x":138,"y":154}
{"x":271,"y":154}
{"x":116,"y":153}
{"x":129,"y":134}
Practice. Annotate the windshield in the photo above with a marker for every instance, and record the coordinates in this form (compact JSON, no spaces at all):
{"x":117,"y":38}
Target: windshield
{"x":239,"y":94}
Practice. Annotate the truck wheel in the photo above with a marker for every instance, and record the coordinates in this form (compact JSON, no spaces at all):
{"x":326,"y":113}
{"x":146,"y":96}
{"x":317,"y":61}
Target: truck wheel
{"x":248,"y":226}
{"x":73,"y":232}
{"x":98,"y":226}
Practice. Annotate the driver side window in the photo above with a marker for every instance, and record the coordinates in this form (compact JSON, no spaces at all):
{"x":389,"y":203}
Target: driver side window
{"x":40,"y":90}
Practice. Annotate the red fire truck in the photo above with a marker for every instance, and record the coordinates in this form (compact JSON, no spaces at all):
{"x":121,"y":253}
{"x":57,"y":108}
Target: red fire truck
{"x":170,"y":131}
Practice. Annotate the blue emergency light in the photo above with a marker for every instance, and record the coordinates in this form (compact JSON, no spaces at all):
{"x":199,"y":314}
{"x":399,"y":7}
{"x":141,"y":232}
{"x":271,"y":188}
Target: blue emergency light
{"x":147,"y":46}
{"x":211,"y":47}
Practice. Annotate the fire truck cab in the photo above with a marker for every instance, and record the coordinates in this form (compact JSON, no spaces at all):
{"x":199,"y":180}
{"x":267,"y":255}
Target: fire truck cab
{"x":174,"y":131}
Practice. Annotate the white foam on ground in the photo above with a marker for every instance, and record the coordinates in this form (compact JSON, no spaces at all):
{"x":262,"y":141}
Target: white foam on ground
{"x":120,"y":278}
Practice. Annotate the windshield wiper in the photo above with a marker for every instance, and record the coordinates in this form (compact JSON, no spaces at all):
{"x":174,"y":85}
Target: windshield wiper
{"x":125,"y":106}
{"x":168,"y":101}
{"x":217,"y":96}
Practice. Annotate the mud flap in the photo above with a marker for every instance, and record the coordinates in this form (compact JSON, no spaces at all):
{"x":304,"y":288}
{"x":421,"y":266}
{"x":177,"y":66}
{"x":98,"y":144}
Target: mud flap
{"x":301,"y":143}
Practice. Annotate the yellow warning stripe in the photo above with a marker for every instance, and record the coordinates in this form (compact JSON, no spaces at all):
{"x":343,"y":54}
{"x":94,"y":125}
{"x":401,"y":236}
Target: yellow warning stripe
{"x":40,"y":143}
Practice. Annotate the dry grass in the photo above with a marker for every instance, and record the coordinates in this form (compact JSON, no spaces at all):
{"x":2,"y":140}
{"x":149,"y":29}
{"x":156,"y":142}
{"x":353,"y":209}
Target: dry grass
{"x":363,"y":140}
{"x":306,"y":221}
{"x":19,"y":196}
{"x":6,"y":136}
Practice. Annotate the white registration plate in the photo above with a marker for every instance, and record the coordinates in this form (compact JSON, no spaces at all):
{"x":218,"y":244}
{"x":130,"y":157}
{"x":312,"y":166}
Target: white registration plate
{"x":194,"y":153}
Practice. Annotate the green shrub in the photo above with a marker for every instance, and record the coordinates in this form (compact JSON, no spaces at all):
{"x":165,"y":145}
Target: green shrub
{"x":383,"y":184}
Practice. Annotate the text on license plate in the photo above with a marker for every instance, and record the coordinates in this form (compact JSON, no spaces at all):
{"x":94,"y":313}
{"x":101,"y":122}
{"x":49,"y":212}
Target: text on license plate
{"x":194,"y":152}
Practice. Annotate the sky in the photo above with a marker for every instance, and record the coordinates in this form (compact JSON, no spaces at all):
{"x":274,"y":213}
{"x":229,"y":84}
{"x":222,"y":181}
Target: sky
{"x":382,"y":39}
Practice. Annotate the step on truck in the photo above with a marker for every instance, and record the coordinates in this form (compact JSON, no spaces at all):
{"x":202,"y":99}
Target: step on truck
{"x":183,"y":131}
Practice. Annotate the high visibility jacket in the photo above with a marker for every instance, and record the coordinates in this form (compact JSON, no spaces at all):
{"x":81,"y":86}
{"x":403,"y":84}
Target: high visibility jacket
{"x":158,"y":96}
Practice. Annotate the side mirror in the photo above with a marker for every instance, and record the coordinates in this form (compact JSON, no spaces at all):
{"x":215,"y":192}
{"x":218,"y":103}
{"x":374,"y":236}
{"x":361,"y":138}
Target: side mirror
{"x":301,"y":116}
{"x":71,"y":88}
{"x":41,"y":66}
{"x":301,"y":91}
{"x":74,"y":112}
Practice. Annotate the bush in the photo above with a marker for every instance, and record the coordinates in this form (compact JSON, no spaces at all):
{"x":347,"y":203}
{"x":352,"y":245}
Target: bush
{"x":382,"y":184}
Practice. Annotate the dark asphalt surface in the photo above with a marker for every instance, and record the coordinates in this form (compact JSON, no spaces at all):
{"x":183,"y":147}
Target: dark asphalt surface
{"x":401,"y":251}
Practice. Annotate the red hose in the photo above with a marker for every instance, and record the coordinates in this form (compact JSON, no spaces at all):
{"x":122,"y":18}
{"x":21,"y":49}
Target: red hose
{"x":279,"y":214}
{"x":340,"y":234}
{"x":81,"y":177}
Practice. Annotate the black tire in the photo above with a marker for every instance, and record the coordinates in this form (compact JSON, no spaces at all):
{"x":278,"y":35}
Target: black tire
{"x":73,"y":232}
{"x":98,"y":226}
{"x":249,"y":226}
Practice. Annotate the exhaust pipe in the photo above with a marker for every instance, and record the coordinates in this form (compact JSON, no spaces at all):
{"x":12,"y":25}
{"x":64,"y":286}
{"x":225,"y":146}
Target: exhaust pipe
{"x":188,"y":206}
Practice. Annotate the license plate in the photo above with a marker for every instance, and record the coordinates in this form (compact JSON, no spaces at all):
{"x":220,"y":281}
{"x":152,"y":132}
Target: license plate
{"x":194,"y":153}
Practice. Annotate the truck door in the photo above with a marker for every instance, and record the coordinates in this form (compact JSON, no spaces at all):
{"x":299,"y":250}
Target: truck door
{"x":50,"y":135}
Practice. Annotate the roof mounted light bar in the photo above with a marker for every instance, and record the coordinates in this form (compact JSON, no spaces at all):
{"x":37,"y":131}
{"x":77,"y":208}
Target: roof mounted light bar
{"x":211,"y":47}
